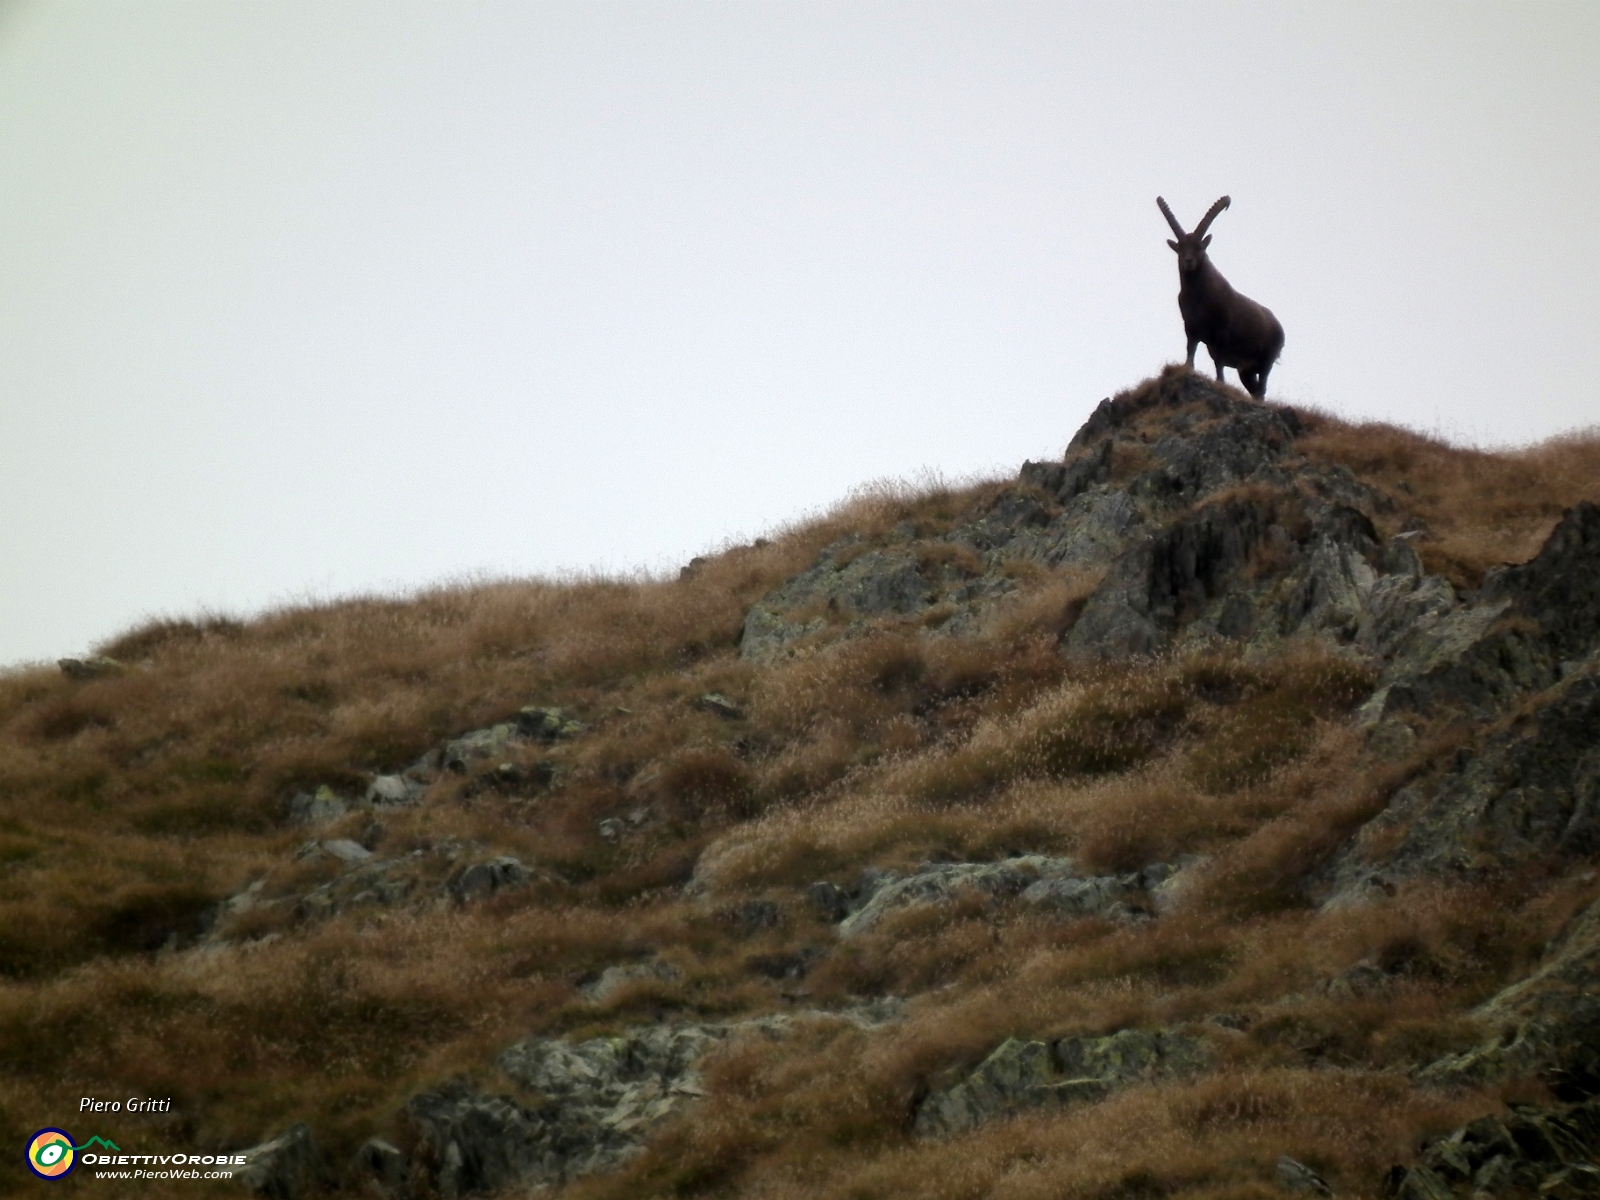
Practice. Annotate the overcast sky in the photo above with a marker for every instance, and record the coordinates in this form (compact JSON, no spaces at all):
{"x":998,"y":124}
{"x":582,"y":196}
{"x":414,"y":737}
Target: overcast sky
{"x":301,"y":299}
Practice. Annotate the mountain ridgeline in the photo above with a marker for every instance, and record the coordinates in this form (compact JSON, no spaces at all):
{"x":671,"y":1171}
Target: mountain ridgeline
{"x":1210,"y":812}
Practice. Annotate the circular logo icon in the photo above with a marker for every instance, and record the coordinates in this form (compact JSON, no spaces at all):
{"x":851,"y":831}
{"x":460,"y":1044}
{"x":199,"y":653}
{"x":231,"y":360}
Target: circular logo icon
{"x":50,"y":1153}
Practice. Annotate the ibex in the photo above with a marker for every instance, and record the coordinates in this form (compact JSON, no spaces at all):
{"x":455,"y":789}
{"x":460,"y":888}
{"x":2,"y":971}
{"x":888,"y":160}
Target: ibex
{"x":1237,"y":331}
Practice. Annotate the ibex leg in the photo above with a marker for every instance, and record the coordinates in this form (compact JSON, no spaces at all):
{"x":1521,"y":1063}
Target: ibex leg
{"x":1193,"y":342}
{"x":1218,"y":361}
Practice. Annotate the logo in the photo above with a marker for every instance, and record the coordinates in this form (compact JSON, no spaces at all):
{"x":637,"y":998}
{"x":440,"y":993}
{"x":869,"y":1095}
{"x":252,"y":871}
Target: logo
{"x":51,"y":1154}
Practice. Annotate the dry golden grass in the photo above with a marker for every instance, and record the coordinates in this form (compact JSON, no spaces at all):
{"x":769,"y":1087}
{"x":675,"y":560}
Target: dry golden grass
{"x":131,"y":804}
{"x":1480,"y":508}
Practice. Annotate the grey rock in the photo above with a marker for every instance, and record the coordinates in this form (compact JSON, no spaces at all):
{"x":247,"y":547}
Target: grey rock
{"x":599,"y":1101}
{"x":611,"y":829}
{"x":1020,"y":1075}
{"x":828,"y":901}
{"x":480,"y":745}
{"x":1531,"y":1150}
{"x":1533,"y":789}
{"x":484,"y":1143}
{"x":1419,"y":1183}
{"x":783,"y":966}
{"x":1104,"y":895}
{"x":939,"y":883}
{"x":317,"y":808}
{"x":1547,"y":1023}
{"x":386,"y":790}
{"x":483,"y":880}
{"x":345,"y":850}
{"x":287,"y":1167}
{"x":719,"y":705}
{"x":1093,"y":529}
{"x":1295,"y":1176}
{"x":1525,"y":624}
{"x":767,"y":633}
{"x":383,"y":1167}
{"x":548,"y":724}
{"x":752,"y":916}
{"x":98,"y":666}
{"x":1170,"y":576}
{"x":614,"y":979}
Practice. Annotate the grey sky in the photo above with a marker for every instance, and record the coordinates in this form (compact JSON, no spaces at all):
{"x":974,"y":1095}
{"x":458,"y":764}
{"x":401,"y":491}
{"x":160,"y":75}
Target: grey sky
{"x":302,"y":299}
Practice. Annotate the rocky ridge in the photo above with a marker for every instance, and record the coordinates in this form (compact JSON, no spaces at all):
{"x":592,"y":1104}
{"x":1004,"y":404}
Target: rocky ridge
{"x":1193,"y":521}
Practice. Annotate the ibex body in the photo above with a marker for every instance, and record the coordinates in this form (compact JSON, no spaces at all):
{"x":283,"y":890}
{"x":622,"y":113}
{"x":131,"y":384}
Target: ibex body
{"x":1237,"y":331}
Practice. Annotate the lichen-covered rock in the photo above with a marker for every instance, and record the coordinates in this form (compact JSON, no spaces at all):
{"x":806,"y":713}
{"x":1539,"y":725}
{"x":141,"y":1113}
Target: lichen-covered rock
{"x":1021,"y":1075}
{"x":548,"y":724}
{"x":1096,"y":895}
{"x":480,"y":745}
{"x":1546,"y":1023}
{"x":598,"y":1100}
{"x":1526,"y":629}
{"x":939,"y":883}
{"x":1530,"y":1151}
{"x":1532,"y":789}
{"x":1046,"y":885}
{"x":1285,"y":548}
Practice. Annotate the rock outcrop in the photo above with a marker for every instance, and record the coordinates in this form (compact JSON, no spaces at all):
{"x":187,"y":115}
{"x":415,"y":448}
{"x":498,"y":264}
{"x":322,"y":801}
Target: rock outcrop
{"x":1531,"y":1151}
{"x":1049,"y":885}
{"x":1021,"y":1075}
{"x":1546,"y":1024}
{"x":1193,"y":503}
{"x":595,"y":1101}
{"x":286,"y":1167}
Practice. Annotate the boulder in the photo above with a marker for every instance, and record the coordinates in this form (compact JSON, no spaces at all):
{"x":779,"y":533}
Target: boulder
{"x":548,"y":724}
{"x":317,"y":808}
{"x":719,"y":705}
{"x":388,"y":790}
{"x":1046,"y":885}
{"x":1547,"y":1023}
{"x":345,"y":850}
{"x":828,"y":901}
{"x":1531,"y":790}
{"x":613,"y":979}
{"x":1527,"y":628}
{"x":1103,"y":895}
{"x":1020,"y":1075}
{"x":480,"y":745}
{"x":98,"y":666}
{"x":383,"y":1167}
{"x":939,"y":883}
{"x":1295,"y":1176}
{"x":483,"y":880}
{"x":1531,"y":1150}
{"x":598,"y":1101}
{"x":286,"y":1167}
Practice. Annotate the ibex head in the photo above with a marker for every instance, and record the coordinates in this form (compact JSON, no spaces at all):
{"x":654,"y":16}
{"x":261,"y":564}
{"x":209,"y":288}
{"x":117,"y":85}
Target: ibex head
{"x":1191,"y":247}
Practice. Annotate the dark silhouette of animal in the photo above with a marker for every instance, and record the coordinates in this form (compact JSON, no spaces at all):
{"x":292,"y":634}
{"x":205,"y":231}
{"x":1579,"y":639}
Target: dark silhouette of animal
{"x":1237,"y":331}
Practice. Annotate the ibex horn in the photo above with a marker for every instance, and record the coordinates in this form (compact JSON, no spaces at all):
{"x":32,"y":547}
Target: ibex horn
{"x":1211,"y":215}
{"x":1171,"y":220}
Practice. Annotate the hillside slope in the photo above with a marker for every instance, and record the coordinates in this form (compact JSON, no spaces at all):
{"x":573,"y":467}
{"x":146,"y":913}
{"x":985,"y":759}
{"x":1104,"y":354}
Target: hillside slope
{"x":1210,"y":812}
